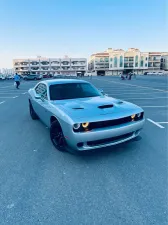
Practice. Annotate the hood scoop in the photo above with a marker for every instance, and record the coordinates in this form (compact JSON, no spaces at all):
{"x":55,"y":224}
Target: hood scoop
{"x":105,"y":106}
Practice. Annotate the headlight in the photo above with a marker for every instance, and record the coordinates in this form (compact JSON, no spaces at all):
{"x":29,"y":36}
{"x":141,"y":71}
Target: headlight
{"x":81,"y":127}
{"x":85,"y":125}
{"x":76,"y":126}
{"x":138,"y":115}
{"x":133,"y":116}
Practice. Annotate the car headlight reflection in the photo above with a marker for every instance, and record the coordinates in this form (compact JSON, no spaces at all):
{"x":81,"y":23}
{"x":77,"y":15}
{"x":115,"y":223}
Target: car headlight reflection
{"x":85,"y":125}
{"x":139,"y":115}
{"x":81,"y":127}
{"x":76,"y":126}
{"x":133,"y":116}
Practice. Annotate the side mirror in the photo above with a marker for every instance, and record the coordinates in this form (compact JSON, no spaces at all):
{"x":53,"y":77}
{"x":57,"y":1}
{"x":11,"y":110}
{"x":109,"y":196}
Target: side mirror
{"x":37,"y":96}
{"x":101,"y":91}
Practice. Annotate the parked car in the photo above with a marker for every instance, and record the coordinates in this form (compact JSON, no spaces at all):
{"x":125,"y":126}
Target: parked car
{"x":81,"y":117}
{"x":152,"y":73}
{"x":2,"y":77}
{"x":32,"y":77}
{"x":47,"y":76}
{"x":57,"y":76}
{"x":160,"y":73}
{"x":10,"y":77}
{"x":146,"y":73}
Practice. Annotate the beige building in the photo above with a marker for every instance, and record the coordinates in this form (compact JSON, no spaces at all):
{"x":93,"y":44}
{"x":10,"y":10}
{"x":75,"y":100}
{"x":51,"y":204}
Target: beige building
{"x":50,"y":66}
{"x":113,"y":62}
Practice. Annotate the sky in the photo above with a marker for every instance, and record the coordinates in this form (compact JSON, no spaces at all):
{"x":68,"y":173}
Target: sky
{"x":78,"y":28}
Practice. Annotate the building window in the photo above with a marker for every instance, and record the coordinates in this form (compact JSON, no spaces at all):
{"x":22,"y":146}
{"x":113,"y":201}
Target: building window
{"x":136,"y":58}
{"x":111,"y":59}
{"x":146,"y":58}
{"x":106,"y":59}
{"x":146,"y":64}
{"x":101,"y":60}
{"x":141,"y":63}
{"x":111,"y":65}
{"x":136,"y":64}
{"x":121,"y":61}
{"x":126,"y":59}
{"x":115,"y":61}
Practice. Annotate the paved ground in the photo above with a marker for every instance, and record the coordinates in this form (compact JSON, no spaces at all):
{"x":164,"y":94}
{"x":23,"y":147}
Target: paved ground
{"x":126,"y":184}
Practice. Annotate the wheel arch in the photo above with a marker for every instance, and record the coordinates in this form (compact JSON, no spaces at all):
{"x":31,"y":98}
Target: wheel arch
{"x":54,"y":119}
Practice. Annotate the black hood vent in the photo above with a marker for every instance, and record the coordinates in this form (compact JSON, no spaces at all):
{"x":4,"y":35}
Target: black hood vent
{"x":77,"y":108}
{"x":105,"y":106}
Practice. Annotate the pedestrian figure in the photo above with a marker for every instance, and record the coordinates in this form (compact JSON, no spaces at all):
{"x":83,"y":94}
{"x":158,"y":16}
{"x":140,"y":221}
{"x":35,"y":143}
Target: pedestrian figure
{"x":17,"y":80}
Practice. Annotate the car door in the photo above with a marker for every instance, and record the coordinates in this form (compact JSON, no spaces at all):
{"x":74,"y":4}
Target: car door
{"x":41,"y":105}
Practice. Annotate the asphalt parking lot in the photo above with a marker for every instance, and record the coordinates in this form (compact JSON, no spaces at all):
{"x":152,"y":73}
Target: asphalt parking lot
{"x":125,"y":184}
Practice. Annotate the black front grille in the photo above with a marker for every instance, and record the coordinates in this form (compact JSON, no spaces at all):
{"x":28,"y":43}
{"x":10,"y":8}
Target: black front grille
{"x":109,"y":140}
{"x":115,"y":122}
{"x":109,"y":123}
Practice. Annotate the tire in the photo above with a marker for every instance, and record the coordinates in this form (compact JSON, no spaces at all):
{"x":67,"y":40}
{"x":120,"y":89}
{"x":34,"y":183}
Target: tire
{"x":57,"y":137}
{"x":32,"y":112}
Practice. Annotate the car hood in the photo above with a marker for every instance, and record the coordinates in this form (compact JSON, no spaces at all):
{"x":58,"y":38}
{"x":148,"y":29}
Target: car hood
{"x":95,"y":107}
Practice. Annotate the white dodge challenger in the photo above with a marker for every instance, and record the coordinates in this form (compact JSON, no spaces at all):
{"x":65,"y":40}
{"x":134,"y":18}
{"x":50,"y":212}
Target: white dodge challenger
{"x":81,"y":117}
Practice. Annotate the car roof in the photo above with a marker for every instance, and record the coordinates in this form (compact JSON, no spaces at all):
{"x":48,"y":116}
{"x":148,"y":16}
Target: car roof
{"x":63,"y":81}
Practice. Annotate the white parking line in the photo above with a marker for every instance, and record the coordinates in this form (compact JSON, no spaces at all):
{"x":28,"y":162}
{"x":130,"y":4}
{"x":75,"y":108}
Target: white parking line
{"x":6,"y":86}
{"x":137,"y":93}
{"x":162,"y":122}
{"x":133,"y":85}
{"x":9,"y":97}
{"x":155,"y":123}
{"x":154,"y":106}
{"x":3,"y":93}
{"x":147,"y":98}
{"x":2,"y":102}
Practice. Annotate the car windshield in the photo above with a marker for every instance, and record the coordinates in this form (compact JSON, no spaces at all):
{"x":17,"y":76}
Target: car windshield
{"x":72,"y":91}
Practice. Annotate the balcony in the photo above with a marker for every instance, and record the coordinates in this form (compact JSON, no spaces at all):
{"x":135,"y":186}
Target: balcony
{"x":55,"y":63}
{"x":55,"y":68}
{"x":65,"y":63}
{"x":154,"y":59}
{"x":17,"y":64}
{"x":78,"y":68}
{"x":24,"y":68}
{"x":34,"y":68}
{"x":34,"y":63}
{"x":78,"y":63}
{"x":65,"y":68}
{"x":45,"y":68}
{"x":44,"y":63}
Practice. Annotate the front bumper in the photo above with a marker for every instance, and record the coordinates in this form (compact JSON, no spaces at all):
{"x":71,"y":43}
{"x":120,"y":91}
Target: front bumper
{"x":104,"y":137}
